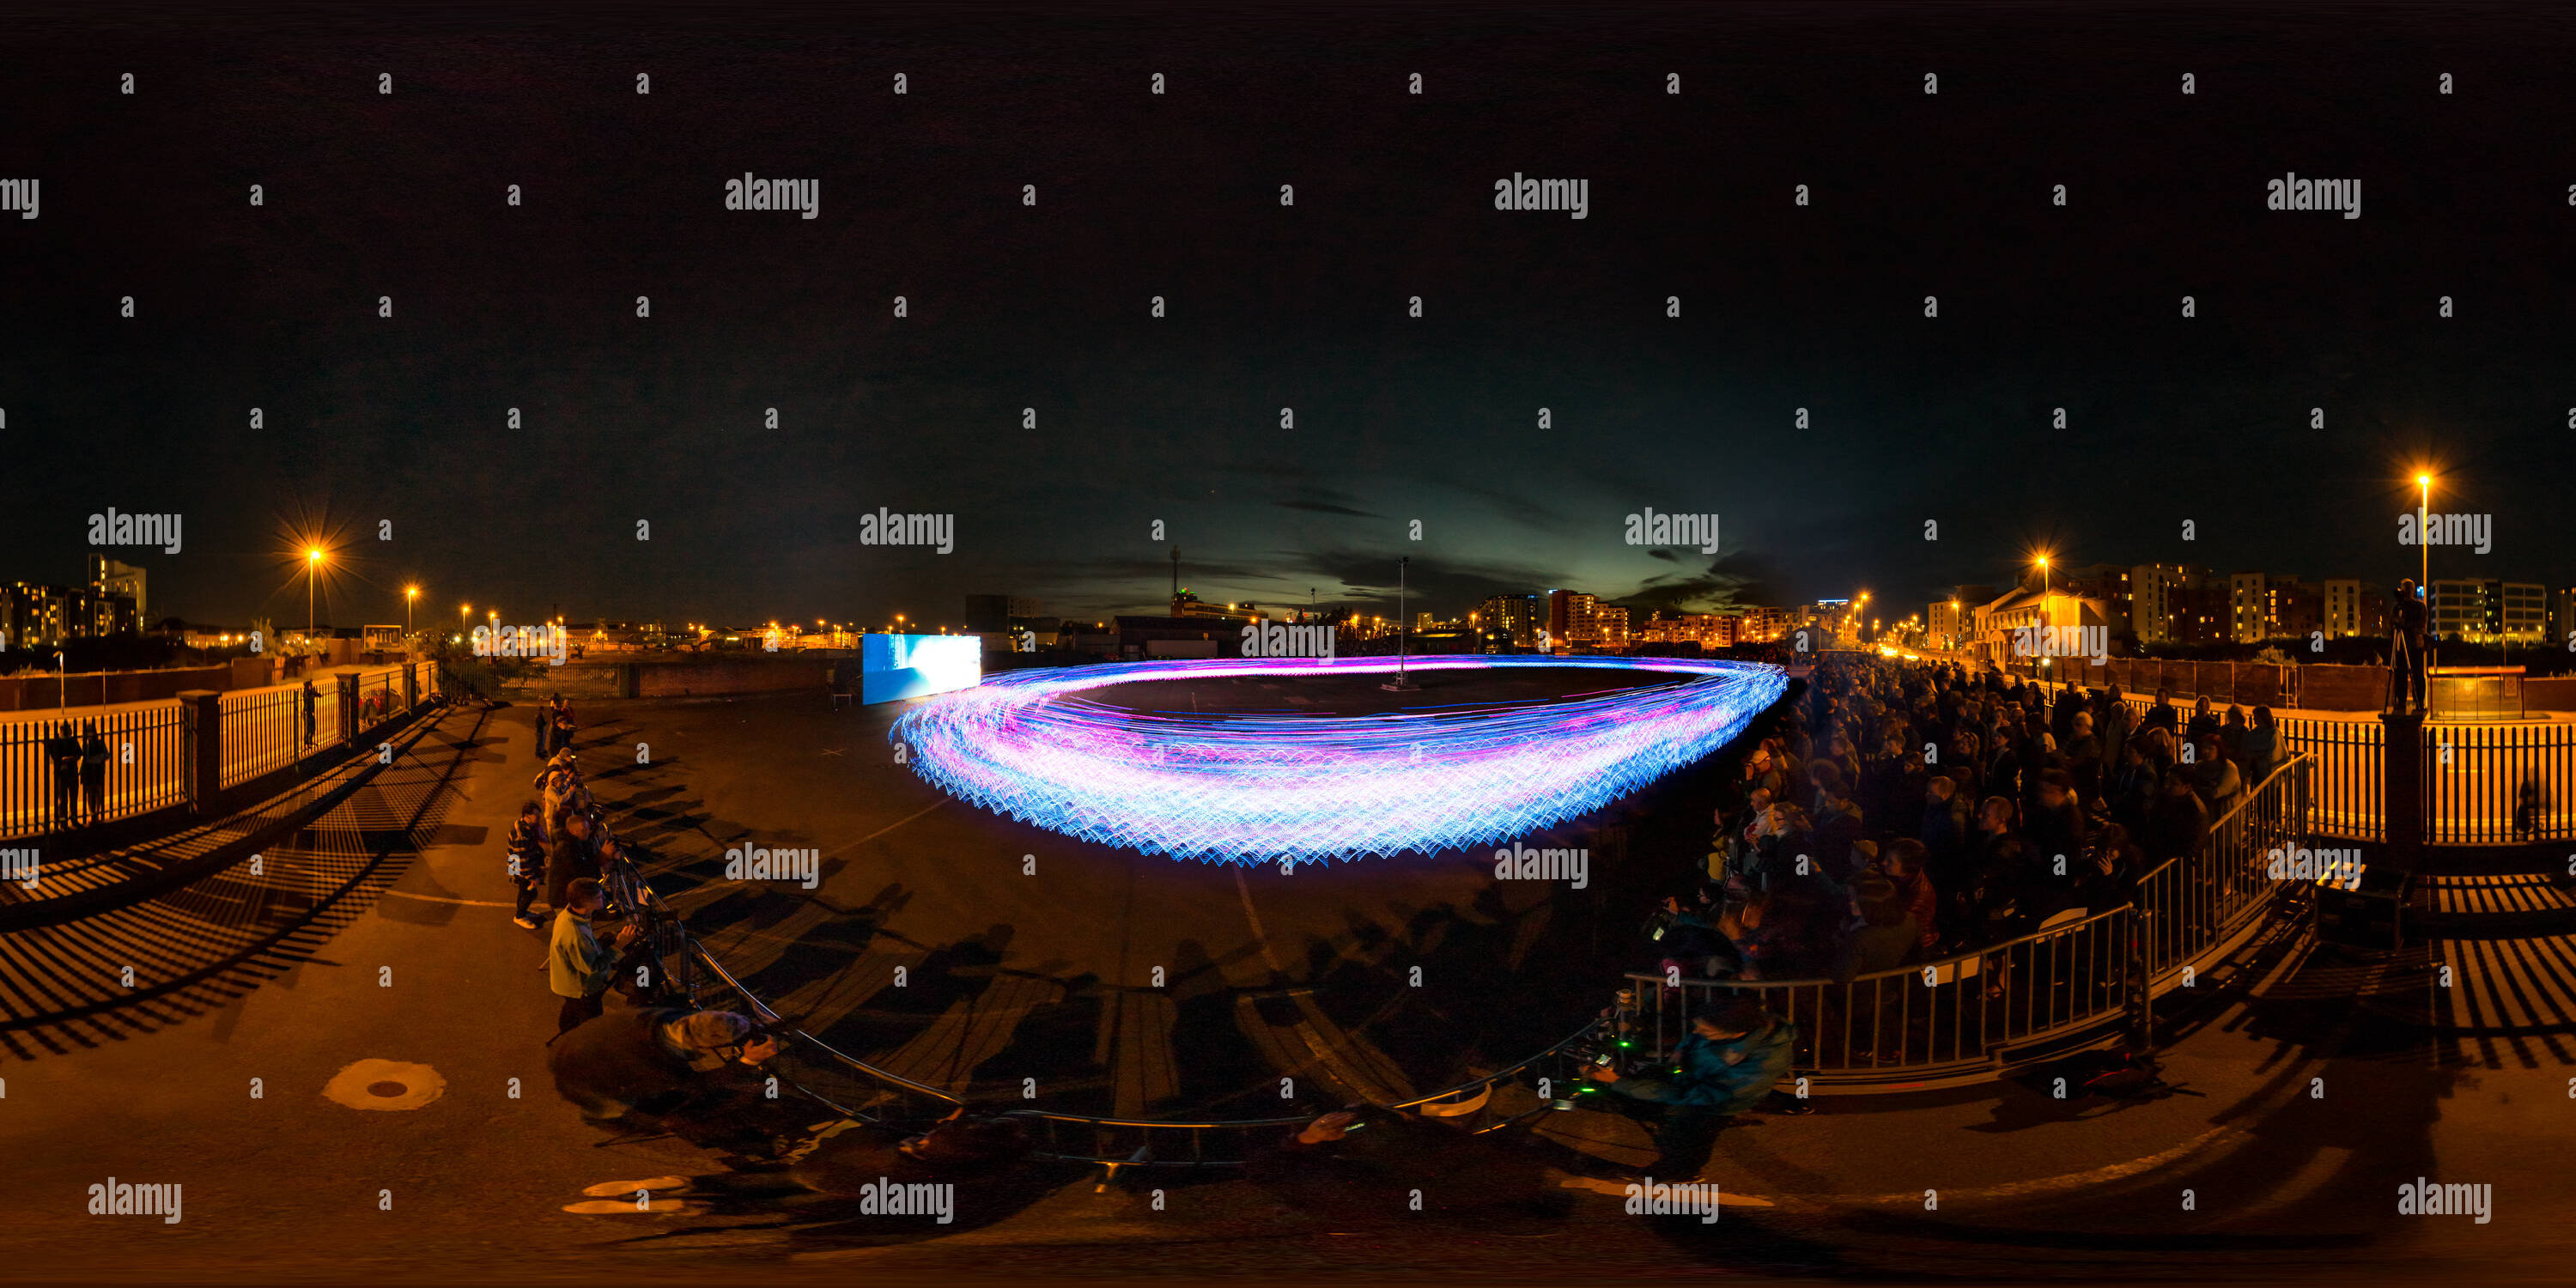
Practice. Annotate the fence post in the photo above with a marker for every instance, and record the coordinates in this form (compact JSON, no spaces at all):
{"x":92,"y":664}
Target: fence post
{"x":348,"y":706}
{"x":202,"y":746}
{"x":2401,"y":768}
{"x":411,"y":686}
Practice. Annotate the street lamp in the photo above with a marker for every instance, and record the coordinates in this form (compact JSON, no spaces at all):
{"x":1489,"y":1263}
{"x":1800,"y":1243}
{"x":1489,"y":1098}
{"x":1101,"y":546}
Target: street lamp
{"x":1399,"y":686}
{"x":312,"y":565}
{"x":410,"y":594}
{"x":2424,"y":515}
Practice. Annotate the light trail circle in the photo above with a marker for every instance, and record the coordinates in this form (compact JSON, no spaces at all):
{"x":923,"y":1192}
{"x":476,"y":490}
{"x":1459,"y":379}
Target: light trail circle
{"x":1250,"y":788}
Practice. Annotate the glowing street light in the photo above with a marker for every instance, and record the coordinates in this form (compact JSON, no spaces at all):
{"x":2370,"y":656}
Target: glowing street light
{"x":312,"y":565}
{"x":2423,"y":515}
{"x":410,"y":595}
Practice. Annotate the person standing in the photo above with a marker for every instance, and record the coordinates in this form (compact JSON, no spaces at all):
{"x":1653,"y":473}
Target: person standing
{"x":311,"y":696}
{"x":579,"y":967}
{"x":63,"y":753}
{"x":527,"y":861}
{"x":568,"y":857}
{"x":93,"y":773}
{"x":2406,"y":661}
{"x":560,"y":715}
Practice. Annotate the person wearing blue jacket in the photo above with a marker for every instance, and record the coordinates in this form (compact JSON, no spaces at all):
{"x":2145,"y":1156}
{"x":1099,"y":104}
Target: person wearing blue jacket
{"x":1735,"y":1054}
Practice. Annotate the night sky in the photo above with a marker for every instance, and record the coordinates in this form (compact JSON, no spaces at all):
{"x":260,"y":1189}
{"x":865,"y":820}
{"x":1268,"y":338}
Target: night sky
{"x":1177,"y":419}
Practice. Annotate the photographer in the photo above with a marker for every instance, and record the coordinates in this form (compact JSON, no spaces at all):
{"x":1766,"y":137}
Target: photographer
{"x":1735,"y":1053}
{"x":653,"y":1060}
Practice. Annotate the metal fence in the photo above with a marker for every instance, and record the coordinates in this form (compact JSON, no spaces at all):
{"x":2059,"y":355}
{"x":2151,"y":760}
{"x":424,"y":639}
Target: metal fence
{"x":2494,"y":783}
{"x":1963,"y":1017}
{"x":147,"y":748}
{"x":80,"y":769}
{"x":2485,"y":782}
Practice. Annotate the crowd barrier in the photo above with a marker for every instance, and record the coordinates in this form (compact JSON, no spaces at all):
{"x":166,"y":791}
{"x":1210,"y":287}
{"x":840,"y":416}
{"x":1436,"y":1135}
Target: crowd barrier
{"x":1967,"y":1016}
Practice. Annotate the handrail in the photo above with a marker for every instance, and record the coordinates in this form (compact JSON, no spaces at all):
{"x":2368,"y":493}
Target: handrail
{"x":2090,"y":971}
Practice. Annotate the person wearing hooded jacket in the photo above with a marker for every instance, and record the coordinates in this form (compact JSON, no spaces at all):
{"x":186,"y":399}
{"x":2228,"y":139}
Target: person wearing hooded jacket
{"x":1735,"y":1054}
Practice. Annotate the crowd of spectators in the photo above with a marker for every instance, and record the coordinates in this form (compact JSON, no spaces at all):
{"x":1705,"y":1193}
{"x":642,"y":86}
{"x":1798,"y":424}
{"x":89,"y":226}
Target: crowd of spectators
{"x":1905,"y":812}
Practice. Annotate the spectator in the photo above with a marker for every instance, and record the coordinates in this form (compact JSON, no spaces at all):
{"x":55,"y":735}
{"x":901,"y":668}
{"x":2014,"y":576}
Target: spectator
{"x":650,"y":1059}
{"x":2263,"y":752}
{"x":1837,"y":828}
{"x":1904,"y":865}
{"x":93,"y":773}
{"x":561,"y":716}
{"x":578,"y":967}
{"x":311,"y":696}
{"x":1997,"y":821}
{"x":2057,"y":826}
{"x":568,"y":858}
{"x":2180,"y":821}
{"x":2133,"y":793}
{"x":1735,"y":1054}
{"x":1945,"y":830}
{"x":2084,"y":760}
{"x":2215,"y":777}
{"x":63,"y":754}
{"x":2162,"y":714}
{"x":2116,"y":867}
{"x":1888,"y":934}
{"x":527,"y":861}
{"x":2204,"y":722}
{"x":1994,"y":907}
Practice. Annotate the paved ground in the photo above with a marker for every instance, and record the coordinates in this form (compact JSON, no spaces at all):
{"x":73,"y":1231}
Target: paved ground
{"x":2291,"y":1179}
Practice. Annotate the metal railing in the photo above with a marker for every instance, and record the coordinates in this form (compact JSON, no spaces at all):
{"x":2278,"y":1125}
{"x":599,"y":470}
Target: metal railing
{"x":147,"y":762}
{"x":137,"y":765}
{"x":1964,"y":1017}
{"x":2495,"y":783}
